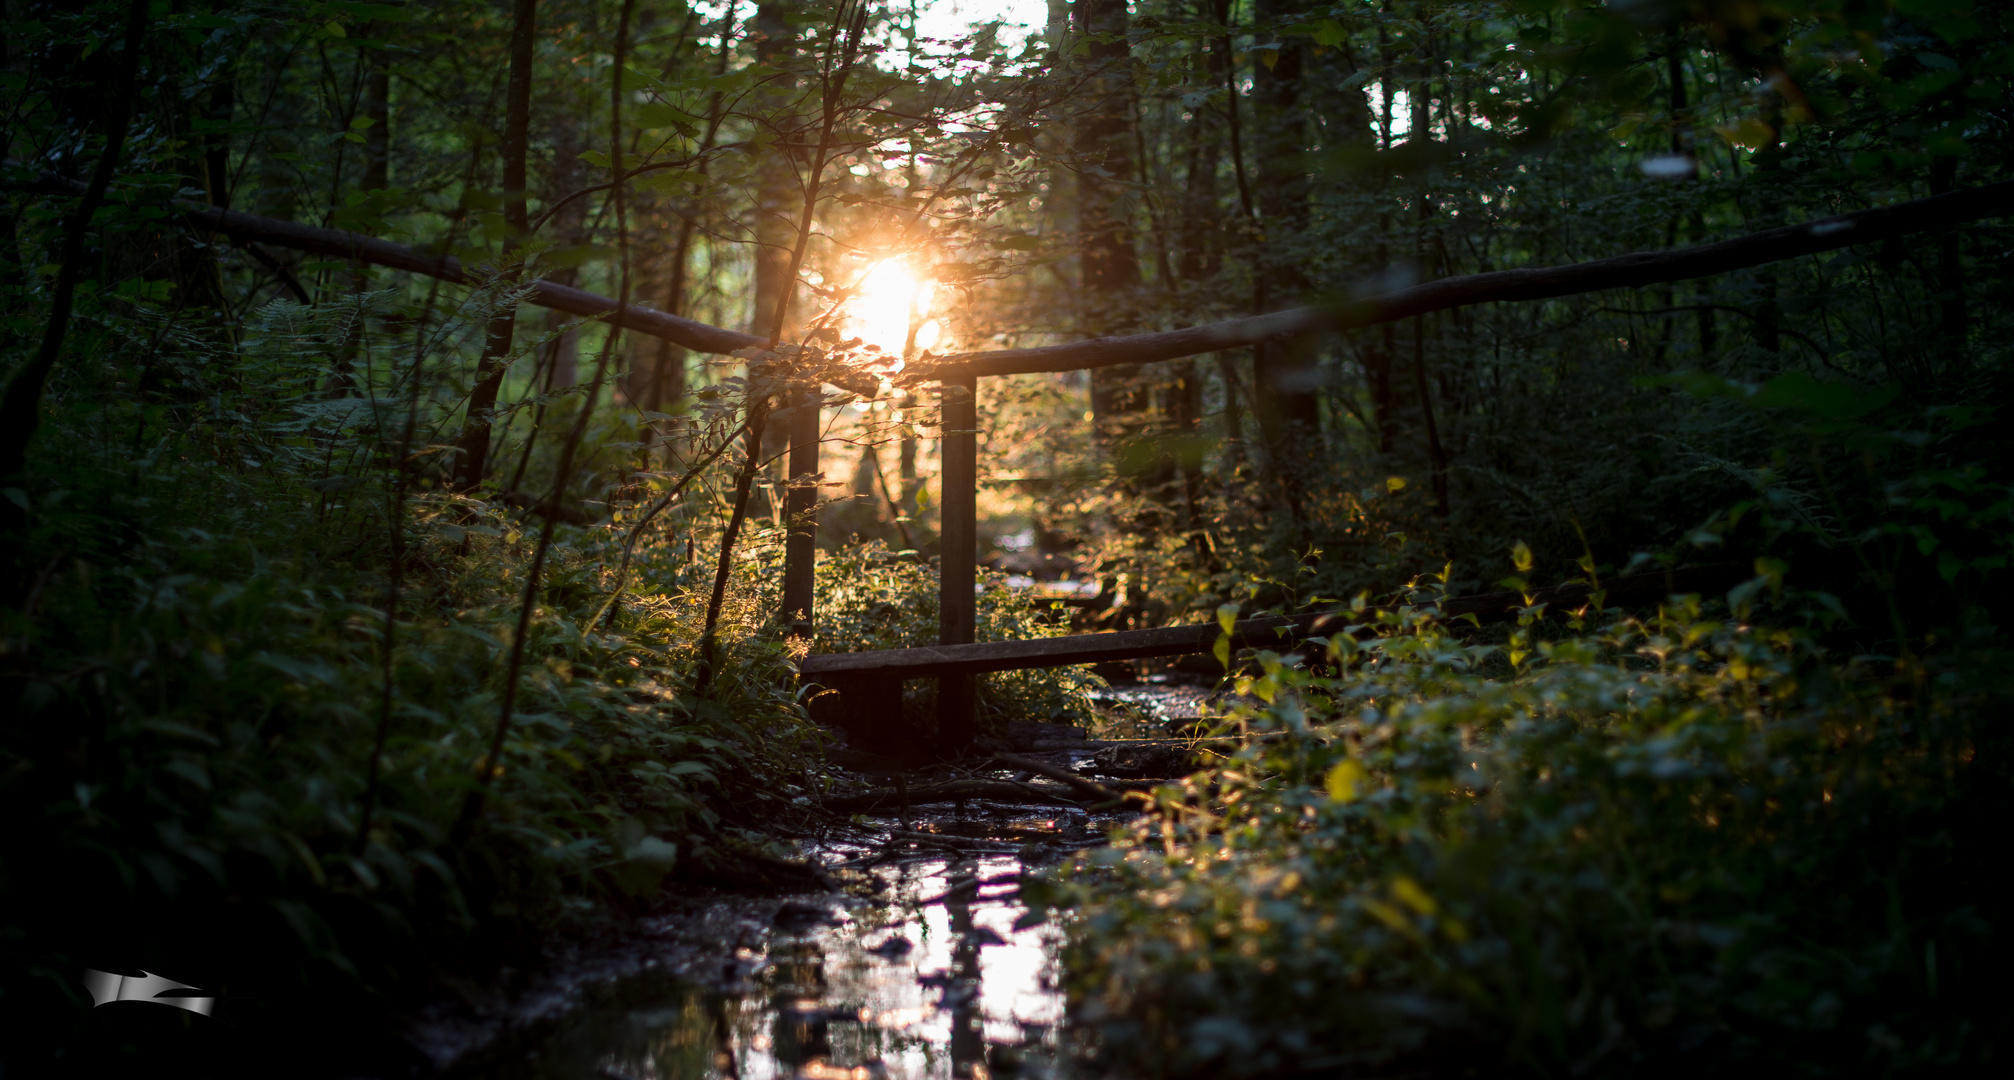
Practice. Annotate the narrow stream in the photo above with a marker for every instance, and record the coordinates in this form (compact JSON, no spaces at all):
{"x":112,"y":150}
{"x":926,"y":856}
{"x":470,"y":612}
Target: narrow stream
{"x":930,"y":978}
{"x":928,"y":971}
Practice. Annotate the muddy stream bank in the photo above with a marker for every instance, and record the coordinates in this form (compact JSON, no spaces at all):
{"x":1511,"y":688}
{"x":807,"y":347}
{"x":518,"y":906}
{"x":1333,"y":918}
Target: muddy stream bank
{"x":924,"y":964}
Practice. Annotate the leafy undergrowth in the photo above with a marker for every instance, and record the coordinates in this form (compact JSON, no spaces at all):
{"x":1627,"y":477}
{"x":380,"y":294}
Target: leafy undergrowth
{"x":1678,"y":845}
{"x":199,"y":668}
{"x":871,"y":598}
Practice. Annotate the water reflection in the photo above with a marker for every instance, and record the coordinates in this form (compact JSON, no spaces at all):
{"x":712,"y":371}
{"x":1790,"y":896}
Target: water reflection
{"x":1156,"y":702}
{"x":930,"y":980}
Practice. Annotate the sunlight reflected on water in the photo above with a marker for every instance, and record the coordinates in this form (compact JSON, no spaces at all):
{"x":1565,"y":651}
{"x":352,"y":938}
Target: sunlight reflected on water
{"x":931,"y":980}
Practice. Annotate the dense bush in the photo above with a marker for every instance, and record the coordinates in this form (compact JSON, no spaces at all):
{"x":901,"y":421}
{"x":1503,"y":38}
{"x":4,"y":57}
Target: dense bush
{"x":1664,"y":845}
{"x":200,"y":669}
{"x":870,"y":598}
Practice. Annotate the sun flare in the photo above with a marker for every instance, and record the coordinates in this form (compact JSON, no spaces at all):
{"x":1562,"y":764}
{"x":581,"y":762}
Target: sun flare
{"x":890,"y":298}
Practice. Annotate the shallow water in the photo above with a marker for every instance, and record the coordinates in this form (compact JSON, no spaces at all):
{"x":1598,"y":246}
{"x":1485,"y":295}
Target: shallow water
{"x":930,"y":979}
{"x":1157,"y":700}
{"x":926,"y":974}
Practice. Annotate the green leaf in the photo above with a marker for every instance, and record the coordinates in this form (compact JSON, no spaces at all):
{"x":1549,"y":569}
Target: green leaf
{"x":1329,"y":33}
{"x":1408,"y":892}
{"x":645,"y":863}
{"x":1948,"y":566}
{"x":671,"y":181}
{"x":1346,"y":780}
{"x":659,"y":114}
{"x":1829,"y":400}
{"x":374,"y":12}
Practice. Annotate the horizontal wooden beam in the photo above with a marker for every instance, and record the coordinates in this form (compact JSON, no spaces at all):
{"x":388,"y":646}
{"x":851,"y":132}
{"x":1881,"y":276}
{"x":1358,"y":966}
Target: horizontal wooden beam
{"x":934,"y":660}
{"x":1621,"y":272}
{"x":1276,"y":632}
{"x":1364,"y":309}
{"x":342,"y":244}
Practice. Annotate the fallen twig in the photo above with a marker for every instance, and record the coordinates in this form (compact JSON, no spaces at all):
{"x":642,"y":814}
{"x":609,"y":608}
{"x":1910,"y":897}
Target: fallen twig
{"x":951,"y":791}
{"x":968,"y":843}
{"x":1091,"y":788}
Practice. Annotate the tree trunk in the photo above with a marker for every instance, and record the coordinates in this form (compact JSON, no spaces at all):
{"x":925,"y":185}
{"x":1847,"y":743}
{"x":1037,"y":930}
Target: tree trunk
{"x":1284,"y":377}
{"x":378,"y":110}
{"x":1953,"y":319}
{"x":1108,"y":268}
{"x":1378,"y":359}
{"x":21,"y":406}
{"x":474,"y":444}
{"x":778,"y":191}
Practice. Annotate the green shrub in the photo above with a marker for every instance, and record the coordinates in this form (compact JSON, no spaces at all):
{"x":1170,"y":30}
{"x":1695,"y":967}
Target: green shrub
{"x":871,"y":598}
{"x":196,"y":672}
{"x":1668,"y":846}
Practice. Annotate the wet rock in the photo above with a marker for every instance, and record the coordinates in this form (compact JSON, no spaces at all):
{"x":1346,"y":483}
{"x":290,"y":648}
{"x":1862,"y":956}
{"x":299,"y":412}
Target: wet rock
{"x":801,"y":1032}
{"x":958,"y":995}
{"x":1031,"y":735}
{"x":796,"y":917}
{"x":1144,"y":761}
{"x":894,"y":948}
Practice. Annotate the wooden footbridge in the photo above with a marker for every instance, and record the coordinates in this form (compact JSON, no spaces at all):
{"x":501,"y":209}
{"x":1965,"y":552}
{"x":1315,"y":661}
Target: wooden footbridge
{"x":869,"y":683}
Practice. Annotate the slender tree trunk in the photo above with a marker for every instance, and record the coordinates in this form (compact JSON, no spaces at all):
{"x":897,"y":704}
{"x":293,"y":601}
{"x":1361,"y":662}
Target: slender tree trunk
{"x":217,"y":144}
{"x":1198,"y":259}
{"x":1421,"y":131}
{"x":668,"y":376}
{"x":1953,"y":318}
{"x":1108,"y":266}
{"x":1703,"y":321}
{"x":1378,"y":363}
{"x":848,"y":24}
{"x":906,"y":462}
{"x":491,"y":764}
{"x":1287,"y":397}
{"x":377,"y":110}
{"x":1227,"y":367}
{"x":1437,"y":459}
{"x":21,"y":406}
{"x":778,"y":185}
{"x":474,"y":444}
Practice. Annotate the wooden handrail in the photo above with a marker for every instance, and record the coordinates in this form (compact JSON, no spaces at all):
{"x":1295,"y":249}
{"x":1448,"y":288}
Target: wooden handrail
{"x":1278,"y":631}
{"x":1634,"y":270}
{"x":1365,"y":308}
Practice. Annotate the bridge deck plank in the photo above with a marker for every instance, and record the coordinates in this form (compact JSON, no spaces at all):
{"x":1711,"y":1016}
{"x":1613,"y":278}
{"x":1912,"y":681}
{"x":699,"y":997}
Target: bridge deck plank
{"x":1277,"y":632}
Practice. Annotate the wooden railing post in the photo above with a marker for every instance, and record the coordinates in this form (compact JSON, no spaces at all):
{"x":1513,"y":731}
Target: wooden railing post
{"x":800,"y":546}
{"x":958,"y":554}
